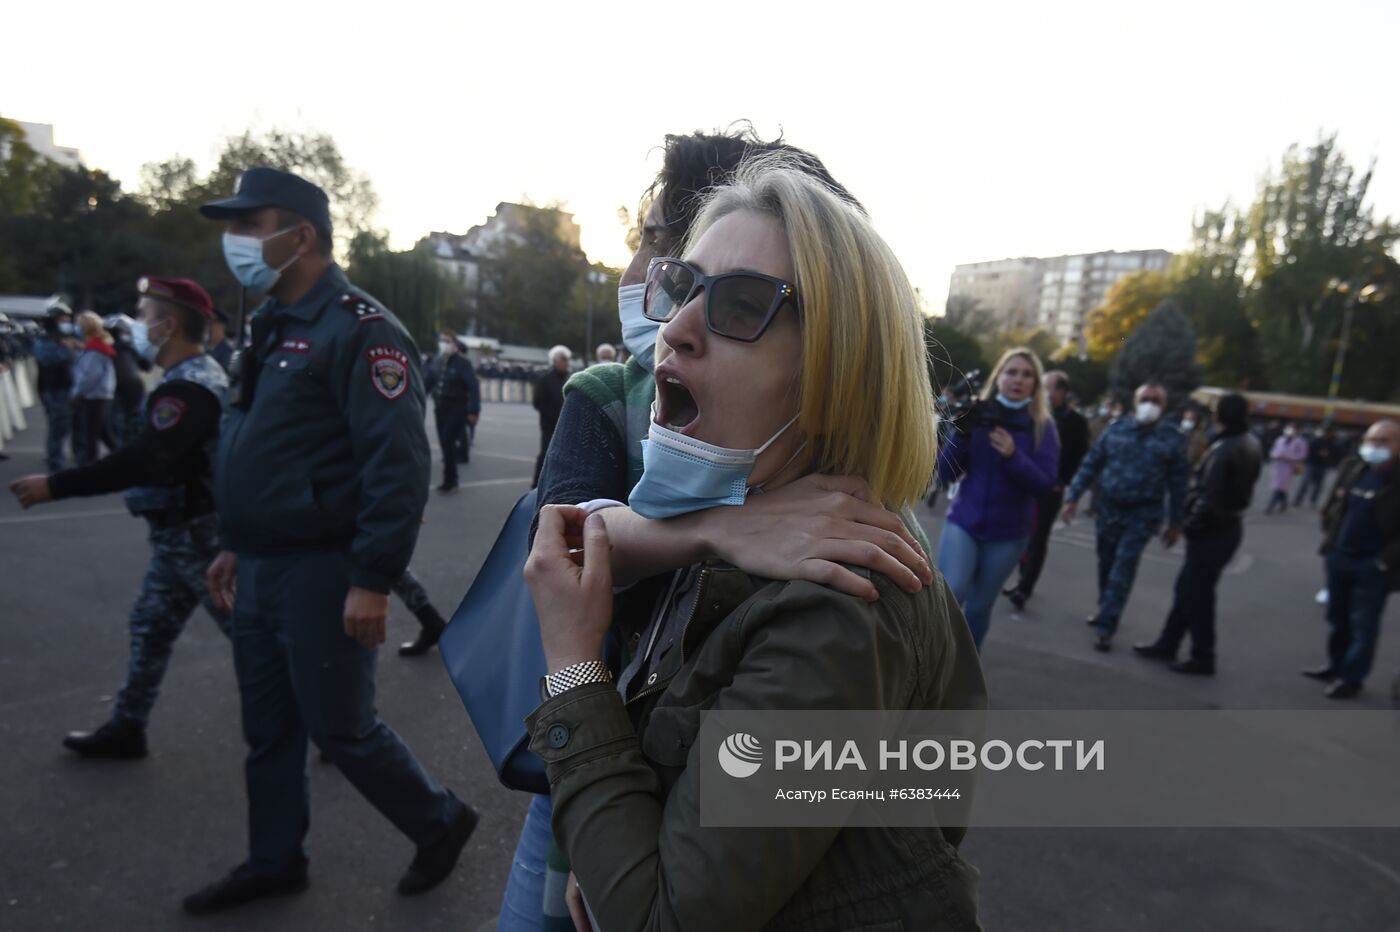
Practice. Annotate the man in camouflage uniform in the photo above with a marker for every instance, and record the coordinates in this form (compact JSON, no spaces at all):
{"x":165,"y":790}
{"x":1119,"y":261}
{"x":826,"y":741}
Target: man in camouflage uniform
{"x":1138,"y":461}
{"x":167,"y":474}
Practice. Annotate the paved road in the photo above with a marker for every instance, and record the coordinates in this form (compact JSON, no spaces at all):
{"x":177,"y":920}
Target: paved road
{"x":87,"y":845}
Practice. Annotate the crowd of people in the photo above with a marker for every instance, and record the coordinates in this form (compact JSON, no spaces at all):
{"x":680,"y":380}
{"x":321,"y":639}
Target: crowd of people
{"x":730,"y":501}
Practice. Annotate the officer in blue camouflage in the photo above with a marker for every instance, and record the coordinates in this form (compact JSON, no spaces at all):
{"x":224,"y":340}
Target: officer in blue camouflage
{"x":1138,"y":461}
{"x":166,"y":472}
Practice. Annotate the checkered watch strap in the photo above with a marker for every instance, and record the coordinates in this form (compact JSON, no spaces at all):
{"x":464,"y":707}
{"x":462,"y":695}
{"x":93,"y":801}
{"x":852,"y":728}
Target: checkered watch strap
{"x":578,"y":674}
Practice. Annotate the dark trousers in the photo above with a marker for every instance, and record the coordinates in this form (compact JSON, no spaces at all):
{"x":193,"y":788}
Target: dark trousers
{"x":300,"y":676}
{"x":1193,"y":607}
{"x":1356,"y":593}
{"x":93,"y":424}
{"x":58,"y":409}
{"x":1313,"y":479}
{"x":1047,"y":510}
{"x":1120,"y":536}
{"x":451,"y":425}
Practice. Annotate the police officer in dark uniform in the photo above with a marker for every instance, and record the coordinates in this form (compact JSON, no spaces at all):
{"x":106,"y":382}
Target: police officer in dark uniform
{"x":456,"y":406}
{"x":220,"y":346}
{"x":320,"y":483}
{"x":166,"y":471}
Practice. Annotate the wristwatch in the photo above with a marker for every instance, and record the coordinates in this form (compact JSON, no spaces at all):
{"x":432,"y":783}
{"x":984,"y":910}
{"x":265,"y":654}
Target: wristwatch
{"x":577,"y":674}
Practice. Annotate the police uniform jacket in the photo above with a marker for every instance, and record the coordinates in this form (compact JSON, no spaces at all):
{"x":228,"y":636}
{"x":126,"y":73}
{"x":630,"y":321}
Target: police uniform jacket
{"x":323,"y":445}
{"x":1136,"y":465}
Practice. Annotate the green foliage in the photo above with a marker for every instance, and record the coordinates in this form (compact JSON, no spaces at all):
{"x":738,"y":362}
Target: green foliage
{"x":411,"y":284}
{"x":24,"y":175}
{"x":1040,"y":341}
{"x":1129,"y":301}
{"x":1208,"y":287}
{"x":951,"y":351}
{"x":1310,"y":225}
{"x":535,"y":289}
{"x":1088,"y":378}
{"x":1161,"y":350}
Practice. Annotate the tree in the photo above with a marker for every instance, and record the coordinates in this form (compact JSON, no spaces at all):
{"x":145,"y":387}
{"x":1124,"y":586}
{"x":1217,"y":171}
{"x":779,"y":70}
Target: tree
{"x":1129,"y":301}
{"x":1088,"y":378}
{"x":1208,"y":286}
{"x":952,"y":353}
{"x":189,"y":245}
{"x":962,"y":312}
{"x":24,"y":174}
{"x":534,"y":287}
{"x":1162,"y":350}
{"x":1310,"y":225}
{"x":411,"y":284}
{"x":1039,"y":341}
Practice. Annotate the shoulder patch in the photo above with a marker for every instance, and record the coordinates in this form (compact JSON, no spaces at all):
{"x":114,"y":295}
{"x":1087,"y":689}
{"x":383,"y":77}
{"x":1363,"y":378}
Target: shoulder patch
{"x":388,"y":370}
{"x":361,"y":308}
{"x":166,"y":413}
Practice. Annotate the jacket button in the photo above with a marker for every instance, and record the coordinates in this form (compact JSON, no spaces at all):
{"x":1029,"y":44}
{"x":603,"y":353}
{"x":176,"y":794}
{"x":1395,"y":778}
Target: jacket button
{"x":558,"y":736}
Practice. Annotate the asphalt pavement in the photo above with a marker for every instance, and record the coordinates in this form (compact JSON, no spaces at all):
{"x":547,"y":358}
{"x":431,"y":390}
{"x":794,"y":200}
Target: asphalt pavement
{"x":89,"y":845}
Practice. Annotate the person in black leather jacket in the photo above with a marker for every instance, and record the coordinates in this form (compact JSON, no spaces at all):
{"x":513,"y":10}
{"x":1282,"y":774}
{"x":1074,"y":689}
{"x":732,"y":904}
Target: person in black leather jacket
{"x":1221,"y":489}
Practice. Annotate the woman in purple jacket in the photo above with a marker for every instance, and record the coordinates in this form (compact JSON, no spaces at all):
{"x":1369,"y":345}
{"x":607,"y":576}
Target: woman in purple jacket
{"x":1005,"y":454}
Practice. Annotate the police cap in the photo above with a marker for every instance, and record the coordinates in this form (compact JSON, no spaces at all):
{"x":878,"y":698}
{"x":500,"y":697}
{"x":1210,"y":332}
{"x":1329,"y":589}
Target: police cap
{"x":270,"y":187}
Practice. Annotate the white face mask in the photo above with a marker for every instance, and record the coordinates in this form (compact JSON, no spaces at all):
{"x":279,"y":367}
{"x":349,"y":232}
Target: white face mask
{"x":1147,"y":412}
{"x":1374,"y":455}
{"x":1188,"y":426}
{"x":446,"y":348}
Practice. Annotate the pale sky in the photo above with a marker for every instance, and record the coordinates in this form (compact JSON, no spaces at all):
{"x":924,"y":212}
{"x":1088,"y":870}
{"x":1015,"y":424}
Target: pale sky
{"x":969,"y":131}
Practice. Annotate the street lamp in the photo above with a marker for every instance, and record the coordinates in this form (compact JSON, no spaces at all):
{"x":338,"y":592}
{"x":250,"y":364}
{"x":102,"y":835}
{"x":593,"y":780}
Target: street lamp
{"x":1355,"y":293}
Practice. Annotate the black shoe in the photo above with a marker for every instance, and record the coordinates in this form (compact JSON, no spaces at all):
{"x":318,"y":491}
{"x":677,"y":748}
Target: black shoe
{"x":1320,"y":673}
{"x":118,"y":739}
{"x":434,"y":862}
{"x":428,"y":634}
{"x":1196,"y":665}
{"x":1154,"y":651}
{"x":445,"y":487}
{"x":1016,"y":597}
{"x":1103,"y":644}
{"x":242,"y":885}
{"x":1341,"y":689}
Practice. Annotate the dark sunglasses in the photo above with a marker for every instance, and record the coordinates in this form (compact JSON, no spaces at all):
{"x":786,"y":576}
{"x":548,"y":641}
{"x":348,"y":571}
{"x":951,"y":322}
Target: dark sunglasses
{"x":738,"y":305}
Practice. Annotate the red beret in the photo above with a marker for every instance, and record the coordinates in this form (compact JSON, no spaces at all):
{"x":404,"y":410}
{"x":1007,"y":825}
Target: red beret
{"x":185,"y":292}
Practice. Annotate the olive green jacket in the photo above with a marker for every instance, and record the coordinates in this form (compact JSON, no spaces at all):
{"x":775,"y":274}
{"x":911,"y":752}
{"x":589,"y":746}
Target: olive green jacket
{"x":625,"y":778}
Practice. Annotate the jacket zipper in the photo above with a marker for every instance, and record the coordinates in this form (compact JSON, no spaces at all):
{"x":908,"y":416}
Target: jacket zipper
{"x":699,"y":598}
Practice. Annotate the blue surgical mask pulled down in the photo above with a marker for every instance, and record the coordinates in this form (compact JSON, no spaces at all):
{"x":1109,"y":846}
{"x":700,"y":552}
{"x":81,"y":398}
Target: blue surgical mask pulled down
{"x":244,"y":255}
{"x":1013,"y":405}
{"x":681,"y":475}
{"x":638,"y":333}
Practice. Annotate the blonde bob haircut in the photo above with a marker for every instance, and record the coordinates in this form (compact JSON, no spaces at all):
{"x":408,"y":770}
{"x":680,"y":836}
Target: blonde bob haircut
{"x":865,"y":405}
{"x":1039,"y":408}
{"x":90,"y":326}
